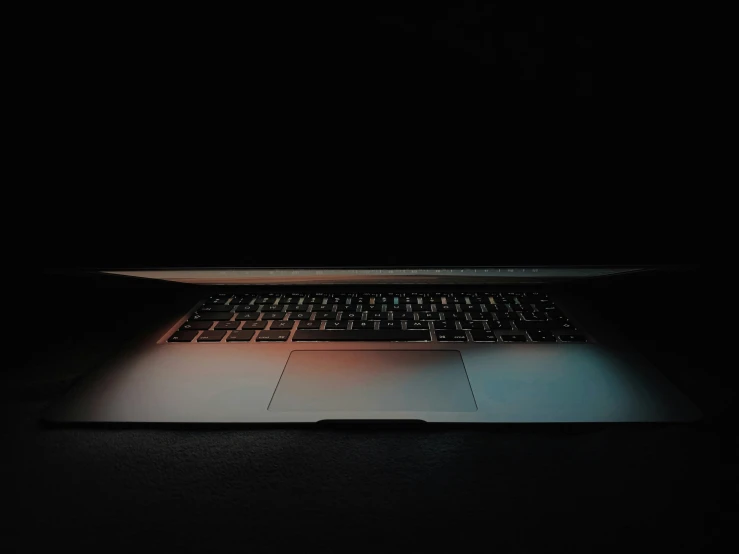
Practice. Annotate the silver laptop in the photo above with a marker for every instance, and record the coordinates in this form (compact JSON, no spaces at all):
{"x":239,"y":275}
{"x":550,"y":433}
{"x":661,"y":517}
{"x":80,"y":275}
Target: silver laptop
{"x":432,"y":344}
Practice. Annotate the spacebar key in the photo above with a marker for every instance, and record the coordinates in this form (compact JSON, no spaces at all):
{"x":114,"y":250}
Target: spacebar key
{"x":387,"y":335}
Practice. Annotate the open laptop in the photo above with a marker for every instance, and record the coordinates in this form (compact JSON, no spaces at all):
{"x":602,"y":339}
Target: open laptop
{"x":424,"y":343}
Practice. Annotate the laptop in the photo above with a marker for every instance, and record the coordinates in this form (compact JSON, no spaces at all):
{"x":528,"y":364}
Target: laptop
{"x":449,"y":344}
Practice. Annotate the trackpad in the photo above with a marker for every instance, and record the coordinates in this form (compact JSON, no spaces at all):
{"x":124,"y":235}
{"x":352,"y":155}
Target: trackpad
{"x":374,"y":380}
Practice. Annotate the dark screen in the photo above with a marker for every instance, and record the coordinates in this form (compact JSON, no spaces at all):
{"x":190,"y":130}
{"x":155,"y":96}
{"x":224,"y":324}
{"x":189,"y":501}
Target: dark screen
{"x":446,"y":137}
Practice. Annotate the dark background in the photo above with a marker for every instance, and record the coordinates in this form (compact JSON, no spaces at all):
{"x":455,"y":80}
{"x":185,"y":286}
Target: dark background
{"x":369,"y":135}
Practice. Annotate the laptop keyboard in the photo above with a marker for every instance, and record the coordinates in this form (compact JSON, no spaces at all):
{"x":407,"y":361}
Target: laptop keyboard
{"x":423,"y":317}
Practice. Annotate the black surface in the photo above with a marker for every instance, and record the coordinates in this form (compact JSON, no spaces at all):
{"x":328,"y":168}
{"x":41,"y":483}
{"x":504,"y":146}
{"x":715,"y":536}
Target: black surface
{"x":513,"y":487}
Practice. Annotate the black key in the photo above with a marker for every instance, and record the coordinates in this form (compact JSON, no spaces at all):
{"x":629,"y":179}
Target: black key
{"x":429,"y":316}
{"x":521,"y":307}
{"x":267,"y":299}
{"x":471,"y":307}
{"x":414,"y":324}
{"x":217,"y":301}
{"x":183,"y":336}
{"x":325,"y":315}
{"x":392,"y":324}
{"x":272,"y":309}
{"x":513,"y":338}
{"x":212,"y":316}
{"x":346,"y":308}
{"x":255,"y":325}
{"x":421,"y":307}
{"x":573,"y":338}
{"x":313,"y":300}
{"x":397,"y":308}
{"x":378,"y":315}
{"x":455,"y":316}
{"x":196,"y":325}
{"x":351,"y":316}
{"x":227,"y":325}
{"x":451,"y":336}
{"x":444,"y":325}
{"x":309,"y":325}
{"x":278,"y":336}
{"x":472,"y":324}
{"x":533,"y":316}
{"x":384,"y":335}
{"x":246,"y":308}
{"x":431,"y":298}
{"x":328,"y":308}
{"x":295,"y":308}
{"x":247,"y":316}
{"x":281,"y":325}
{"x":240,"y":336}
{"x":507,"y":315}
{"x":541,"y":336}
{"x":337,"y":324}
{"x":301,"y":316}
{"x":211,"y":336}
{"x":363,"y":325}
{"x":220,"y":308}
{"x":372,"y":308}
{"x":273,"y":315}
{"x":538,"y":324}
{"x":446,"y":308}
{"x":483,"y":336}
{"x":481,"y":316}
{"x":499,"y":325}
{"x":403,"y":316}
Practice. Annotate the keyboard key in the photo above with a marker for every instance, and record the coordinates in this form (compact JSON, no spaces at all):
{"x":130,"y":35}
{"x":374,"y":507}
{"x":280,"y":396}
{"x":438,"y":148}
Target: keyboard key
{"x":211,"y":336}
{"x":414,"y":325}
{"x":513,"y":338}
{"x":296,"y":308}
{"x":242,"y":308}
{"x":421,"y":307}
{"x":196,"y":325}
{"x":221,"y":308}
{"x":483,"y":336}
{"x":299,"y":316}
{"x":246,"y":316}
{"x":378,"y":315}
{"x":397,"y":308}
{"x":541,"y":336}
{"x":255,"y":325}
{"x":325,"y":315}
{"x":533,"y":316}
{"x":429,"y":316}
{"x":273,"y":315}
{"x":385,"y":335}
{"x":471,"y":307}
{"x":455,"y":316}
{"x":445,"y":325}
{"x":445,"y":308}
{"x":278,"y":336}
{"x":363,"y":325}
{"x":573,"y":338}
{"x":240,"y":336}
{"x":451,"y":336}
{"x":492,"y":325}
{"x":272,"y":309}
{"x":481,"y":316}
{"x":281,"y":325}
{"x":183,"y":336}
{"x":472,"y":325}
{"x":372,"y":307}
{"x":403,"y":316}
{"x":227,"y":325}
{"x":351,"y":316}
{"x":309,"y":325}
{"x":392,"y":324}
{"x":212,"y":316}
{"x":337,"y":324}
{"x":216,"y":301}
